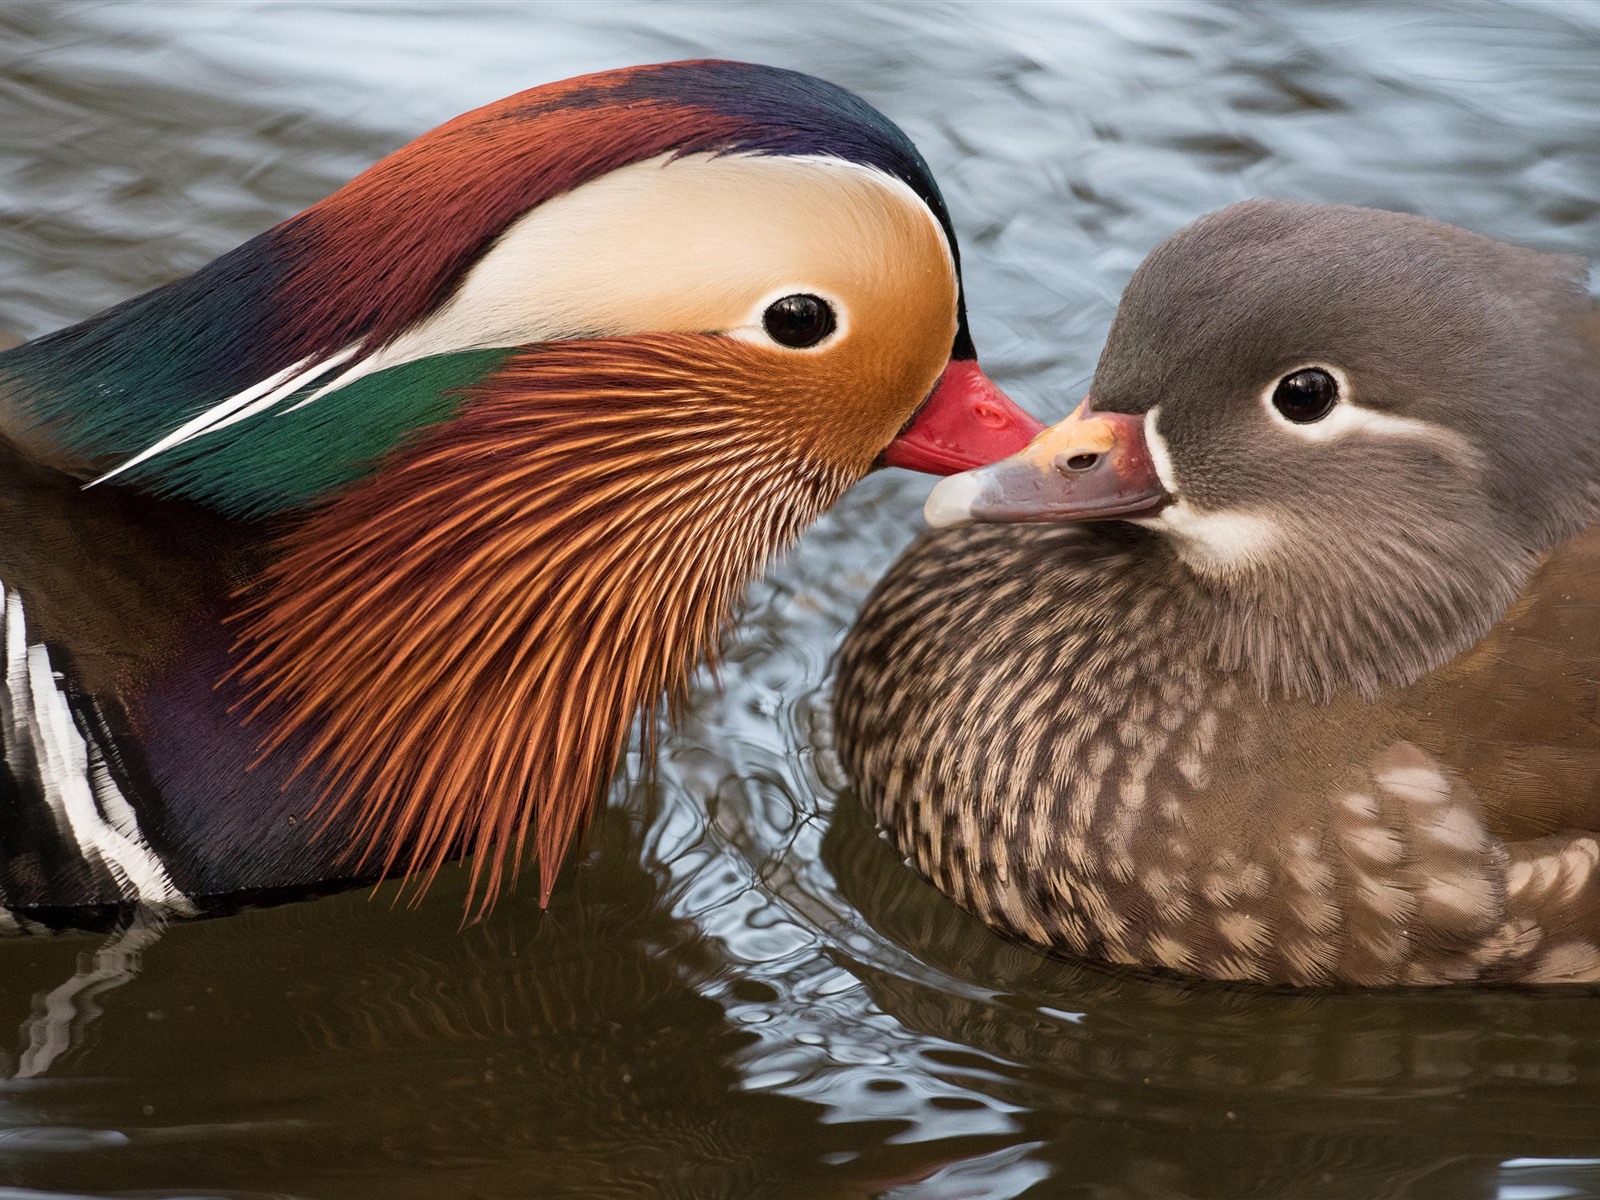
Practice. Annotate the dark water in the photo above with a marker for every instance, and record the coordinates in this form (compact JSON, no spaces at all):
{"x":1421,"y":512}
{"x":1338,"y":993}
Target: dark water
{"x":740,"y":992}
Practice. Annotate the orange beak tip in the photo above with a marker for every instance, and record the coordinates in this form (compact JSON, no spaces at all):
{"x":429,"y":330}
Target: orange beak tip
{"x":966,"y":422}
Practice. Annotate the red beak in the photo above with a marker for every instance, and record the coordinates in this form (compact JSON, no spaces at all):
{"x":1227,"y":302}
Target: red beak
{"x":966,"y":422}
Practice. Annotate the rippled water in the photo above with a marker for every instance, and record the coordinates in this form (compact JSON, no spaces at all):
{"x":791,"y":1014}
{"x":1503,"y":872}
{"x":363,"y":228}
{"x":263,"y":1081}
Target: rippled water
{"x":740,"y":992}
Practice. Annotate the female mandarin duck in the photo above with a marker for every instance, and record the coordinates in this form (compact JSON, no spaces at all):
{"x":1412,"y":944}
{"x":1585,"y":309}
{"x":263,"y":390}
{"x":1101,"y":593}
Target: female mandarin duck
{"x":362,"y":547}
{"x":1316,"y":700}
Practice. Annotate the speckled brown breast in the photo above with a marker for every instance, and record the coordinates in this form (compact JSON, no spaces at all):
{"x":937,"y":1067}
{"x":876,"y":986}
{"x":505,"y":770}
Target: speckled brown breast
{"x":1032,"y":715}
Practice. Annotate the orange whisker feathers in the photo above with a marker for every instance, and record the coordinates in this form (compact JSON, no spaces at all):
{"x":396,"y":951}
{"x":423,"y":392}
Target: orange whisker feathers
{"x":467,"y":636}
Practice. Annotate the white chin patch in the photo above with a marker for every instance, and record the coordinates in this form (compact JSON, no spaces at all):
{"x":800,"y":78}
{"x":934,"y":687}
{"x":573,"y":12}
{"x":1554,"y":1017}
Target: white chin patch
{"x":1214,"y":542}
{"x":950,"y":502}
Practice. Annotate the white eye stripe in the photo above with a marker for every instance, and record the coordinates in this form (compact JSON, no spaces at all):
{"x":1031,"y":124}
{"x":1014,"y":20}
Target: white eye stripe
{"x":1349,"y":419}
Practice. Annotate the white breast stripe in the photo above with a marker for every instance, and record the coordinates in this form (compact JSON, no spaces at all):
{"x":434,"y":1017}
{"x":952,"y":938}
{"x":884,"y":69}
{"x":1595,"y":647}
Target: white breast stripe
{"x":16,"y":681}
{"x":77,"y":785}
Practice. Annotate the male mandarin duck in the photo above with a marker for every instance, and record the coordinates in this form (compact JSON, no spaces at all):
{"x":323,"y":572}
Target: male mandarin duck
{"x":1295,"y":677}
{"x":364,"y":546}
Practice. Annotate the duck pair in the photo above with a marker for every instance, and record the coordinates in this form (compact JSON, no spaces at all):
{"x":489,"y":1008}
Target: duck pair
{"x":362,"y":548}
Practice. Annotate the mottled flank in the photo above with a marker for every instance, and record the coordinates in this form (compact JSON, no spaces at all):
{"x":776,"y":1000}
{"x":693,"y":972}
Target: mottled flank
{"x":1148,"y":809}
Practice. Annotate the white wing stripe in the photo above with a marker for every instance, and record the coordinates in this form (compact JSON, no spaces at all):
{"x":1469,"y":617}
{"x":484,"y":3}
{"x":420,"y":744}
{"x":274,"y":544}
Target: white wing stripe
{"x":254,"y":399}
{"x":285,"y":390}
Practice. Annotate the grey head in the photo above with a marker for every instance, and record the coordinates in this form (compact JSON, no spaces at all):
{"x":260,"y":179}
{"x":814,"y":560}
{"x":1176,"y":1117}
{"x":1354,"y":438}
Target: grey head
{"x":1354,"y":432}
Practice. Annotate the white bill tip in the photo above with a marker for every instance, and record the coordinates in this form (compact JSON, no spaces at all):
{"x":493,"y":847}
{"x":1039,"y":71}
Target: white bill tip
{"x":950,"y":502}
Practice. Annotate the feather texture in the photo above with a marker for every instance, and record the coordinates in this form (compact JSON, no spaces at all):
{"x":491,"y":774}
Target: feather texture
{"x":62,"y":769}
{"x":468,"y":636}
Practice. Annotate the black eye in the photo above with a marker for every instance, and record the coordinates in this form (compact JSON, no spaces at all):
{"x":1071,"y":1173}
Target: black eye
{"x":1306,"y":396}
{"x":799,"y":321}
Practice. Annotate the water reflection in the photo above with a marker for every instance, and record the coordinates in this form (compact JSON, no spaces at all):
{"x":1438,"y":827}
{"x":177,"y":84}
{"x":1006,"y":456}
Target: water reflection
{"x":741,"y":992}
{"x":1153,"y":1087}
{"x":590,"y":1050}
{"x":61,"y":1016}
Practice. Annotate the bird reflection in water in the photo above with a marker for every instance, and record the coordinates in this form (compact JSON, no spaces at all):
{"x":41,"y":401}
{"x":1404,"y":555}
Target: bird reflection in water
{"x":587,"y":1052}
{"x":1132,"y":1085}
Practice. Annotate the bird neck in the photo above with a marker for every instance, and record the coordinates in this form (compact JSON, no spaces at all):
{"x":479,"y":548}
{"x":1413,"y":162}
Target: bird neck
{"x":1320,"y":625}
{"x":465,"y":638}
{"x":1332,"y":616}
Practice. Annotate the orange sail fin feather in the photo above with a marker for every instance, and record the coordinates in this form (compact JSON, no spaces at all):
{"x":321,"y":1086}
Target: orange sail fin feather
{"x":470,"y":633}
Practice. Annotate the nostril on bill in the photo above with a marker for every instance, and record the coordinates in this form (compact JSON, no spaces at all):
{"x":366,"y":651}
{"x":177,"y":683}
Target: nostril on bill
{"x":989,"y":415}
{"x":1076,"y":464}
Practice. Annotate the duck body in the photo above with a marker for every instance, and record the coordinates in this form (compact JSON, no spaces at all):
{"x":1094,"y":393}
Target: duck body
{"x":362,"y":548}
{"x":1239,"y":703}
{"x":1084,"y":777}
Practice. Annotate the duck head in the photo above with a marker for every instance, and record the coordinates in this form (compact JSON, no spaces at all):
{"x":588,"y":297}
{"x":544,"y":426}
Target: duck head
{"x":524,"y":407}
{"x":1353,"y":432}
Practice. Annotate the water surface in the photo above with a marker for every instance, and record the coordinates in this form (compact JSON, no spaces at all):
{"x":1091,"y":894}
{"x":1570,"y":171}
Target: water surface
{"x":740,"y":991}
